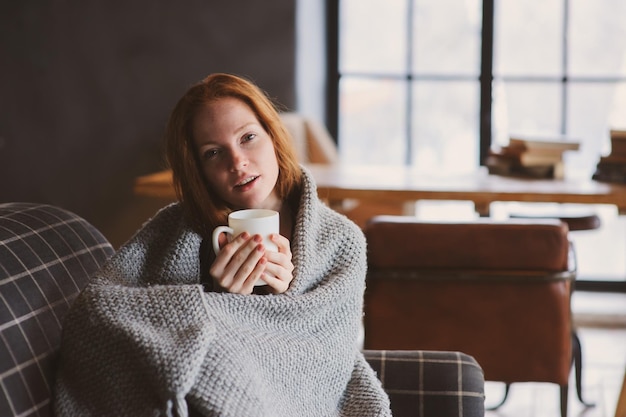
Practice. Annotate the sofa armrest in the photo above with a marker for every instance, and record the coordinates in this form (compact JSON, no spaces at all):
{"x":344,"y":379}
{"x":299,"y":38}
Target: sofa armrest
{"x":430,"y":383}
{"x":47,"y":255}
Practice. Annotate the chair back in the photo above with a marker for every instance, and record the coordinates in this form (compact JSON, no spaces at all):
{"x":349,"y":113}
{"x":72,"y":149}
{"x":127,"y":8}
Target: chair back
{"x":311,"y":139}
{"x":496,"y":290}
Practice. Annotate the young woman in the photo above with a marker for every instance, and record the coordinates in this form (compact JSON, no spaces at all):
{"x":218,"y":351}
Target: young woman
{"x":147,"y":338}
{"x":228,"y":156}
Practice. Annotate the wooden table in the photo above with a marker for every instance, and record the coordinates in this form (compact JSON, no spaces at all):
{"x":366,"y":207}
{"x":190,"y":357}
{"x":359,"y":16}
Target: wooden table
{"x":404,"y":184}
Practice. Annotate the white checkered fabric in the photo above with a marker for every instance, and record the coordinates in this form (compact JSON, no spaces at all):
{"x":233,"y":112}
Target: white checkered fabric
{"x":422,"y":383}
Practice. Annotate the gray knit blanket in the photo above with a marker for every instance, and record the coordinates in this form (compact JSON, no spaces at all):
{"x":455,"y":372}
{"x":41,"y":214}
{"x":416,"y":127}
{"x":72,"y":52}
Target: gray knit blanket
{"x":144,"y":339}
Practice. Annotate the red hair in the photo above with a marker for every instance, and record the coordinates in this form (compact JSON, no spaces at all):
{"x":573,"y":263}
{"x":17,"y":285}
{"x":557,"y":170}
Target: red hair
{"x":203,"y":208}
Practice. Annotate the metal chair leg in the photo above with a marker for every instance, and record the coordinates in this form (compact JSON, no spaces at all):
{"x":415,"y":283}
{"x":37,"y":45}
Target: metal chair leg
{"x":564,"y":392}
{"x":578,"y":365}
{"x":506,"y":394}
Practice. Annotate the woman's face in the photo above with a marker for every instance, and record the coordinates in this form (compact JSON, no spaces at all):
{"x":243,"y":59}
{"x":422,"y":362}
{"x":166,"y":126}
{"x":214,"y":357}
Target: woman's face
{"x":237,"y":155}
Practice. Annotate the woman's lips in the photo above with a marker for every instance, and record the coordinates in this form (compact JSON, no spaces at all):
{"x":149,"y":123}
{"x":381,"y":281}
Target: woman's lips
{"x":246,"y":183}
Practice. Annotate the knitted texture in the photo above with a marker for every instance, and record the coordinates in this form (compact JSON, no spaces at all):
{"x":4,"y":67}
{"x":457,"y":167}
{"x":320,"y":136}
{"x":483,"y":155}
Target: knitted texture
{"x":143,"y":339}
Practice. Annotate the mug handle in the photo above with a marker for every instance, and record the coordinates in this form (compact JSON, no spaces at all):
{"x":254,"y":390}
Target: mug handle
{"x":216,"y":234}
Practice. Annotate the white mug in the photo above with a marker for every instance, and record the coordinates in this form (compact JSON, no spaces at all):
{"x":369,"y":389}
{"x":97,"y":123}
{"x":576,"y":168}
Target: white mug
{"x":254,"y":221}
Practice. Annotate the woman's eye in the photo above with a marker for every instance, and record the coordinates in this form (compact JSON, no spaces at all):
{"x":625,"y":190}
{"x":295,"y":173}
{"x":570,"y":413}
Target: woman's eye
{"x":248,"y":137}
{"x":210,"y":154}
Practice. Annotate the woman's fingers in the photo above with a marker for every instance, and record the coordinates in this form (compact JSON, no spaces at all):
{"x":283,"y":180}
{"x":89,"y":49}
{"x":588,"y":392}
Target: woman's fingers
{"x":279,"y":269}
{"x":282,"y":243}
{"x":236,"y":266}
{"x":242,"y":262}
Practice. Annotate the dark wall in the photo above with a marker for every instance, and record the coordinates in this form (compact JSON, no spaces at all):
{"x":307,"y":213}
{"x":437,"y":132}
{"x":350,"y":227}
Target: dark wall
{"x":86,"y":88}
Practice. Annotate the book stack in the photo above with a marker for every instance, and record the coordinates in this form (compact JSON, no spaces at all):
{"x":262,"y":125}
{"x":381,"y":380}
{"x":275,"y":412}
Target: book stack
{"x":530,"y":157}
{"x":612,"y":168}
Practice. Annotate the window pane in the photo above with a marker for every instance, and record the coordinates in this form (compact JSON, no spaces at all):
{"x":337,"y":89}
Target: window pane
{"x":446,"y":37}
{"x":373,"y":36}
{"x":528,"y":38}
{"x":597,"y":37}
{"x":594,"y":109}
{"x":372,"y":126}
{"x":445,"y":125}
{"x":529,"y":108}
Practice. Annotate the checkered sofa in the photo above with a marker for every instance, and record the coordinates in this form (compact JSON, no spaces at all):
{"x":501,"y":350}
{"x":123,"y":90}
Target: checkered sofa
{"x":46,"y":257}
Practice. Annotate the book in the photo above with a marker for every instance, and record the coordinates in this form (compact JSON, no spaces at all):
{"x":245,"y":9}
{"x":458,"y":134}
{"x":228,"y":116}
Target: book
{"x":618,"y":142}
{"x":618,"y":134}
{"x":521,"y":156}
{"x":544,"y":145}
{"x":502,"y":164}
{"x":609,"y":176}
{"x":536,"y":159}
{"x":612,"y":159}
{"x":612,"y":167}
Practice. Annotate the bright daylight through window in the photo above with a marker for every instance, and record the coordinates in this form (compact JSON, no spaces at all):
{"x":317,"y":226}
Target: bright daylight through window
{"x":409,"y":78}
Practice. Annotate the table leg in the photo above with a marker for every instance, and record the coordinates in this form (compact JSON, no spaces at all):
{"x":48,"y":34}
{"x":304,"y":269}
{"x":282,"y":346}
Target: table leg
{"x":620,"y":411}
{"x":483,"y":209}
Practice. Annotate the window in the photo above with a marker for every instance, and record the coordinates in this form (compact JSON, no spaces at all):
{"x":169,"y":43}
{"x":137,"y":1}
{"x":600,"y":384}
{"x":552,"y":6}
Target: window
{"x":434,"y":83}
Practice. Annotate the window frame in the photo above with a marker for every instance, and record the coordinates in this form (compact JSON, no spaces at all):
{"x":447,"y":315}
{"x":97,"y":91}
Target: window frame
{"x":486,"y":76}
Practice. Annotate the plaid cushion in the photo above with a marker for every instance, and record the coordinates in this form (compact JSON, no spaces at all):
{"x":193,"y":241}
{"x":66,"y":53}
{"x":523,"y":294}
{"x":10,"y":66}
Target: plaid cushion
{"x":430,"y":383}
{"x":46,"y":257}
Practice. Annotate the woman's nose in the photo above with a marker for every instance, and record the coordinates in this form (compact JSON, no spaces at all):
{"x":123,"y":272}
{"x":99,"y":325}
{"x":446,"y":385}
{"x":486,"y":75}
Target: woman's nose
{"x":238,"y":159}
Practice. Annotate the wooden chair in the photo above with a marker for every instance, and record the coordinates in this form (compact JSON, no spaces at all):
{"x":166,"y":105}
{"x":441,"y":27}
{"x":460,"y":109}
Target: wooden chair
{"x":315,"y":145}
{"x":311,"y":139}
{"x":497,"y":290}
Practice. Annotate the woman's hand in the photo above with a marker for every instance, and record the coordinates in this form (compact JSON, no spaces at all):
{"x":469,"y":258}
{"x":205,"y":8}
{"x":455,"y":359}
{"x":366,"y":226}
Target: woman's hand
{"x":278,"y":272}
{"x":240,"y":263}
